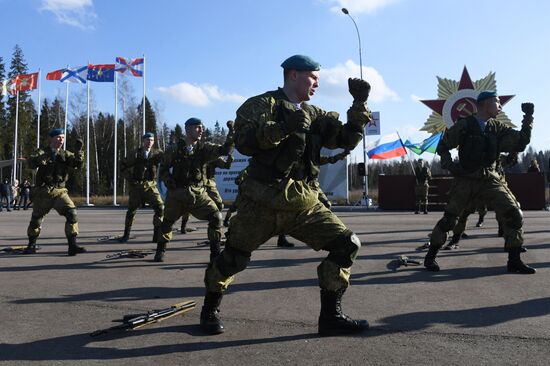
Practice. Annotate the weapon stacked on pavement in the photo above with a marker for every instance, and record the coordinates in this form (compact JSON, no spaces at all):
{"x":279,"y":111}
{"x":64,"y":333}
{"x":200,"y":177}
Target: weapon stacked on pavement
{"x":136,"y":321}
{"x":131,"y":253}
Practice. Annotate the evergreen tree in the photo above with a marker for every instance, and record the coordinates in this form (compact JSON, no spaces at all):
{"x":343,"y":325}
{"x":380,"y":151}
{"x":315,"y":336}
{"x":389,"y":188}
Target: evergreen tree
{"x":27,"y":114}
{"x":178,"y":133}
{"x":150,"y":117}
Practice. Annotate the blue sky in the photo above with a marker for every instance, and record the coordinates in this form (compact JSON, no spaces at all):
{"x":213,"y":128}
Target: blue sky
{"x":205,"y":57}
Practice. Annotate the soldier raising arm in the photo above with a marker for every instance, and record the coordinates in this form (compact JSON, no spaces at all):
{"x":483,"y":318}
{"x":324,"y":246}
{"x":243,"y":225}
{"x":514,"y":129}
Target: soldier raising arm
{"x":284,"y":135}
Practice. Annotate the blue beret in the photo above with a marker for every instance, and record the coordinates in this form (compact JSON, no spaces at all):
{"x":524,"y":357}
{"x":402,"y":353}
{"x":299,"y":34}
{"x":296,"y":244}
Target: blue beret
{"x":193,"y":122}
{"x":300,"y":63}
{"x":148,"y":135}
{"x":486,"y":94}
{"x":56,"y":132}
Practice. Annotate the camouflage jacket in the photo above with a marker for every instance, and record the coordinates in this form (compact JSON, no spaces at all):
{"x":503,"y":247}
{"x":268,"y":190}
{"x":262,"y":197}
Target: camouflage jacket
{"x":139,"y":169}
{"x":423,"y":175}
{"x":54,"y":169}
{"x":183,"y":168}
{"x":259,"y":132}
{"x":478,"y":150}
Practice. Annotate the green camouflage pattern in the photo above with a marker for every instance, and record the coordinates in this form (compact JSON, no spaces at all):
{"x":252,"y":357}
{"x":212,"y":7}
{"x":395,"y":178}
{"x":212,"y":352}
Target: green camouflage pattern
{"x":44,"y":199}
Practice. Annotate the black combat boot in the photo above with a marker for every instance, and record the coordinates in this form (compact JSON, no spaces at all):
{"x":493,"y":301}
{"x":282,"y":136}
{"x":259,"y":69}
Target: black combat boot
{"x":124,"y":238}
{"x":159,"y":254}
{"x":210,"y":321}
{"x":425,"y":209}
{"x":183,"y":229}
{"x":453,"y":243}
{"x":283,"y":243}
{"x":515,"y":265}
{"x":156,"y":233}
{"x":73,"y":248}
{"x":417,"y":210}
{"x":215,"y":249}
{"x":31,"y":247}
{"x":332,"y":321}
{"x":429,"y":260}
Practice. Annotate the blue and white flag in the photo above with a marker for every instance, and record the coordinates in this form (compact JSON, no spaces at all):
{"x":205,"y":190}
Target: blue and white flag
{"x":75,"y":75}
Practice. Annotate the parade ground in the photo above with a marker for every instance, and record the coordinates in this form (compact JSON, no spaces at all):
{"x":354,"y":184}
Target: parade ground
{"x":472,"y":312}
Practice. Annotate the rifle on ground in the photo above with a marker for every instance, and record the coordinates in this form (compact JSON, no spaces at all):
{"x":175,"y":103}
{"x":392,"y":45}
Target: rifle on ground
{"x":132,"y":253}
{"x":135,"y":321}
{"x":17,"y":249}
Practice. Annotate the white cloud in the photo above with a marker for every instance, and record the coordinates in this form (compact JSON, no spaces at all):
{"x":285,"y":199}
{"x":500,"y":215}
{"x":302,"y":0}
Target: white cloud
{"x":199,"y":95}
{"x":334,"y":82}
{"x":76,"y":13}
{"x":360,"y":6}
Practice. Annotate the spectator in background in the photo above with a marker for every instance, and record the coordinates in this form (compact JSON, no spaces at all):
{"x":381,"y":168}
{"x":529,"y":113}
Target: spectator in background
{"x":5,"y":194}
{"x":14,"y":194}
{"x":24,"y":194}
{"x":534,"y":167}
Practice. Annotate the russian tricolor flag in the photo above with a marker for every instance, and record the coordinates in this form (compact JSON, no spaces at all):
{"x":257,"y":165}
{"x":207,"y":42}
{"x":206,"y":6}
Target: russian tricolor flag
{"x":387,"y":147}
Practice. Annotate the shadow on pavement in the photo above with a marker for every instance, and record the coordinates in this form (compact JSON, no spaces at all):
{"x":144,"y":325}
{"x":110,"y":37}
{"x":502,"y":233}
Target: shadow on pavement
{"x":469,"y":318}
{"x":79,"y":346}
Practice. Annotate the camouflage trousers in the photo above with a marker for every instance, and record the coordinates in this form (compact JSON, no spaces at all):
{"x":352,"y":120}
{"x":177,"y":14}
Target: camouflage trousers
{"x":213,"y":193}
{"x":491,"y":190}
{"x":195,"y":201}
{"x":144,"y":193}
{"x":44,"y":199}
{"x":254,"y":224}
{"x":474,"y":206}
{"x":421,"y":193}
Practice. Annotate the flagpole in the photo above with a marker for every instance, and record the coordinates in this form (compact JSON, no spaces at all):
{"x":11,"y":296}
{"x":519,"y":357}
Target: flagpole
{"x":38,"y":124}
{"x":115,"y":145}
{"x":408,"y":158}
{"x":15,"y":140}
{"x":88,"y":143}
{"x":66,"y":113}
{"x":143,"y":106}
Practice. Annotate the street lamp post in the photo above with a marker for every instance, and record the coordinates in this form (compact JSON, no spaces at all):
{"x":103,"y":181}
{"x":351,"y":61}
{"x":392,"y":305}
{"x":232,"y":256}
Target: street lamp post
{"x":365,"y":178}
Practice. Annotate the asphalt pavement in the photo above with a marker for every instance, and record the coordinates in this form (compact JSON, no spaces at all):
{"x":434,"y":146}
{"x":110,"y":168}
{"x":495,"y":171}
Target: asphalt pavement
{"x":471,"y":312}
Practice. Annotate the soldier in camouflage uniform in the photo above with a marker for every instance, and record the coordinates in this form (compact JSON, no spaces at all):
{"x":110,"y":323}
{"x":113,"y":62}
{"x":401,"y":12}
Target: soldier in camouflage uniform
{"x":54,"y":165}
{"x":183,"y":172}
{"x":210,"y":185}
{"x":140,"y":169}
{"x":284,"y":135}
{"x":423,"y":175}
{"x":480,"y":139}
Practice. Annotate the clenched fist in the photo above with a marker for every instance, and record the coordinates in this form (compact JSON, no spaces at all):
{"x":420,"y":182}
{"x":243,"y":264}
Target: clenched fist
{"x":528,"y":108}
{"x":359,"y":89}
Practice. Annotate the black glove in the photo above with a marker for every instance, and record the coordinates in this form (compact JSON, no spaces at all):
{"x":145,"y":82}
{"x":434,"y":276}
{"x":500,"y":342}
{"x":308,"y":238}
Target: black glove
{"x":297,"y":121}
{"x":230,"y":158}
{"x":231,"y":126}
{"x":78,"y":144}
{"x":359,"y":89}
{"x":528,"y":108}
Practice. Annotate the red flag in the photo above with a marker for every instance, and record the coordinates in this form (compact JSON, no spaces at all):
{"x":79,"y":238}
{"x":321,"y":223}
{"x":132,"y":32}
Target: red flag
{"x":26,"y":81}
{"x":55,"y":75}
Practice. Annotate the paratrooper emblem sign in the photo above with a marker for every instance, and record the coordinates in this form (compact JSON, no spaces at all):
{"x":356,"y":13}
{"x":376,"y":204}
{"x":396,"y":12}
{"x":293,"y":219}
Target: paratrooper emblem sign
{"x":457,"y":99}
